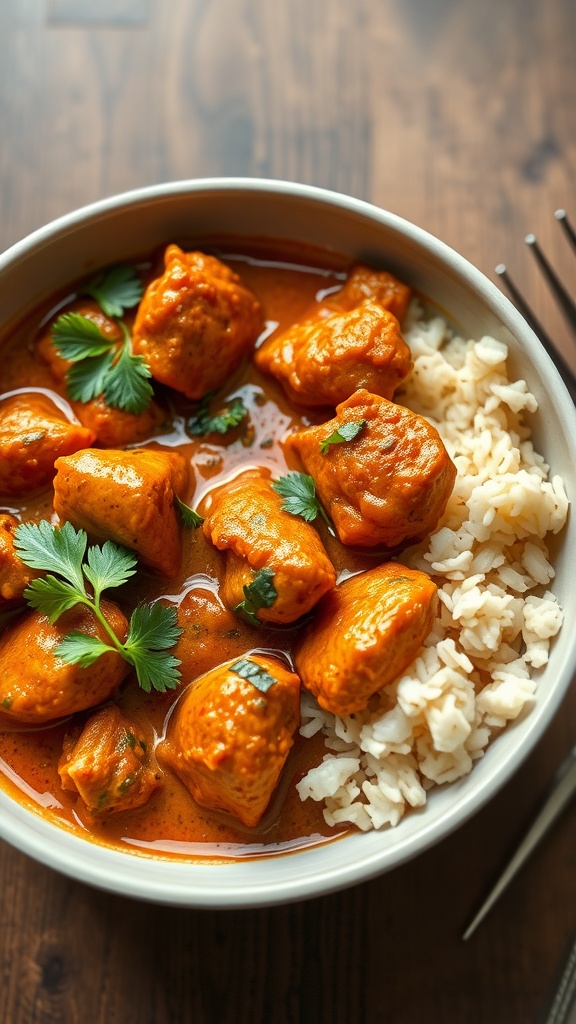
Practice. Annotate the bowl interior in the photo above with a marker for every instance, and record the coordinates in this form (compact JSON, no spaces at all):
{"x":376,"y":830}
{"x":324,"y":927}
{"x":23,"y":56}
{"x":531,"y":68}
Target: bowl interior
{"x":200,"y":212}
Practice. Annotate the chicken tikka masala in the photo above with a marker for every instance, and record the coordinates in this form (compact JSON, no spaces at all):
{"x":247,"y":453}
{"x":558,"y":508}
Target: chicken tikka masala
{"x":211,"y":441}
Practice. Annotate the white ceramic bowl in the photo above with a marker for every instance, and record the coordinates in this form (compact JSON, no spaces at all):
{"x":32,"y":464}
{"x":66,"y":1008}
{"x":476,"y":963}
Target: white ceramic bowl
{"x":128,"y":225}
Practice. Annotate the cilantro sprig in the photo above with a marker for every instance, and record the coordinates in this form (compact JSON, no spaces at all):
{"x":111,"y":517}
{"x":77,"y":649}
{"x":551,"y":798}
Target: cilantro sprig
{"x":346,"y":432}
{"x":70,"y":564}
{"x":102,"y":365}
{"x":261,"y":593}
{"x":299,"y":492}
{"x":254,"y":673}
{"x":231,"y":416}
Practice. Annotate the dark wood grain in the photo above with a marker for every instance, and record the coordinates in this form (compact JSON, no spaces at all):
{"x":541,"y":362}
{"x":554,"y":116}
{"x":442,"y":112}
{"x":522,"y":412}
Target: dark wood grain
{"x":459,"y":117}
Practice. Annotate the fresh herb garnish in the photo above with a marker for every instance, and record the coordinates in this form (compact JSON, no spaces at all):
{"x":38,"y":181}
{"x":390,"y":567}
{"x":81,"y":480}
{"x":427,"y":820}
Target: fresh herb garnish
{"x":102,"y":366}
{"x":126,"y":386}
{"x":116,"y":289}
{"x":347,"y":432}
{"x":130,"y":739}
{"x":299,"y":492}
{"x":62,"y":554}
{"x":189,"y":517}
{"x":261,"y":593}
{"x":203,"y":423}
{"x":254,"y":673}
{"x":77,"y":337}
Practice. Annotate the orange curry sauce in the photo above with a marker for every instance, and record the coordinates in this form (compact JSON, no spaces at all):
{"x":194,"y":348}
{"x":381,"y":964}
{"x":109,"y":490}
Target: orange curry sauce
{"x":171,"y":823}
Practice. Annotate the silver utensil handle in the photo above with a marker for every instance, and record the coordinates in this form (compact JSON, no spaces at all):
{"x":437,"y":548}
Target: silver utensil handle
{"x":563,"y":1007}
{"x":561,"y":792}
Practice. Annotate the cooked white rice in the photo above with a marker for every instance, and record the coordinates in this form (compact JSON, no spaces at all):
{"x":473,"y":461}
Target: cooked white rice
{"x":490,"y":561}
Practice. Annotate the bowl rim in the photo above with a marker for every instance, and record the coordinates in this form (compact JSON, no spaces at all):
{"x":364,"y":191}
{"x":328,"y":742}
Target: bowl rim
{"x":138,"y":877}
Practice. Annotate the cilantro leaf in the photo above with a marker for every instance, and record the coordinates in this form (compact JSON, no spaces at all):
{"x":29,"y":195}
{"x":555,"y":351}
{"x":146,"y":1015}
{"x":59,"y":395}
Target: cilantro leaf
{"x":155,"y":670}
{"x":346,"y":432}
{"x":126,"y":385}
{"x":189,"y":517}
{"x":43,"y":546}
{"x":231,"y":416}
{"x":116,"y":289}
{"x":261,"y":593}
{"x":109,"y":566}
{"x":51,"y":596}
{"x":299,"y":491}
{"x":254,"y":673}
{"x":62,"y":553}
{"x":151,"y":631}
{"x":153,"y":626}
{"x":81,"y":649}
{"x":78,"y":337}
{"x":101,"y":365}
{"x":87,"y":379}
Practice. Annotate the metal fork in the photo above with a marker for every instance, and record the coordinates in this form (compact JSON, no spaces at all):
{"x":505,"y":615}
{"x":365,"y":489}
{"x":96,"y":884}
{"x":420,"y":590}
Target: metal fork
{"x":563,"y":786}
{"x":565,"y":302}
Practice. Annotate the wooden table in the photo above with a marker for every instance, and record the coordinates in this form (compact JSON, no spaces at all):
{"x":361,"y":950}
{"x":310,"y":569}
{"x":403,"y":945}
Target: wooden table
{"x":460,"y":117}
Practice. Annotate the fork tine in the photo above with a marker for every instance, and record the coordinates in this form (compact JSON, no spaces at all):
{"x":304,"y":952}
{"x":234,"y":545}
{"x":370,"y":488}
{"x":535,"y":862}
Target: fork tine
{"x":562,"y":218}
{"x":564,"y":300}
{"x":564,"y":369}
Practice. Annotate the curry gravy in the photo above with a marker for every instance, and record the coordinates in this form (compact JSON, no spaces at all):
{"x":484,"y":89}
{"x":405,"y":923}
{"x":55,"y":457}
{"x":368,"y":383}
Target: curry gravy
{"x":171,"y":823}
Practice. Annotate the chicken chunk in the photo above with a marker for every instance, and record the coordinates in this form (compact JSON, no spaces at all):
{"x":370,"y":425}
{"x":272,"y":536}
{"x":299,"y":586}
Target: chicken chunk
{"x":229,"y":736}
{"x":14,"y":575}
{"x":115,"y":428}
{"x":108,"y":763}
{"x":33,"y":434}
{"x":195,"y":323}
{"x":364,"y":634}
{"x":324,"y":361}
{"x":379,"y":286}
{"x":246,"y":520}
{"x":128,"y":497}
{"x":36,"y":686}
{"x":210,"y":632}
{"x":390,"y":483}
